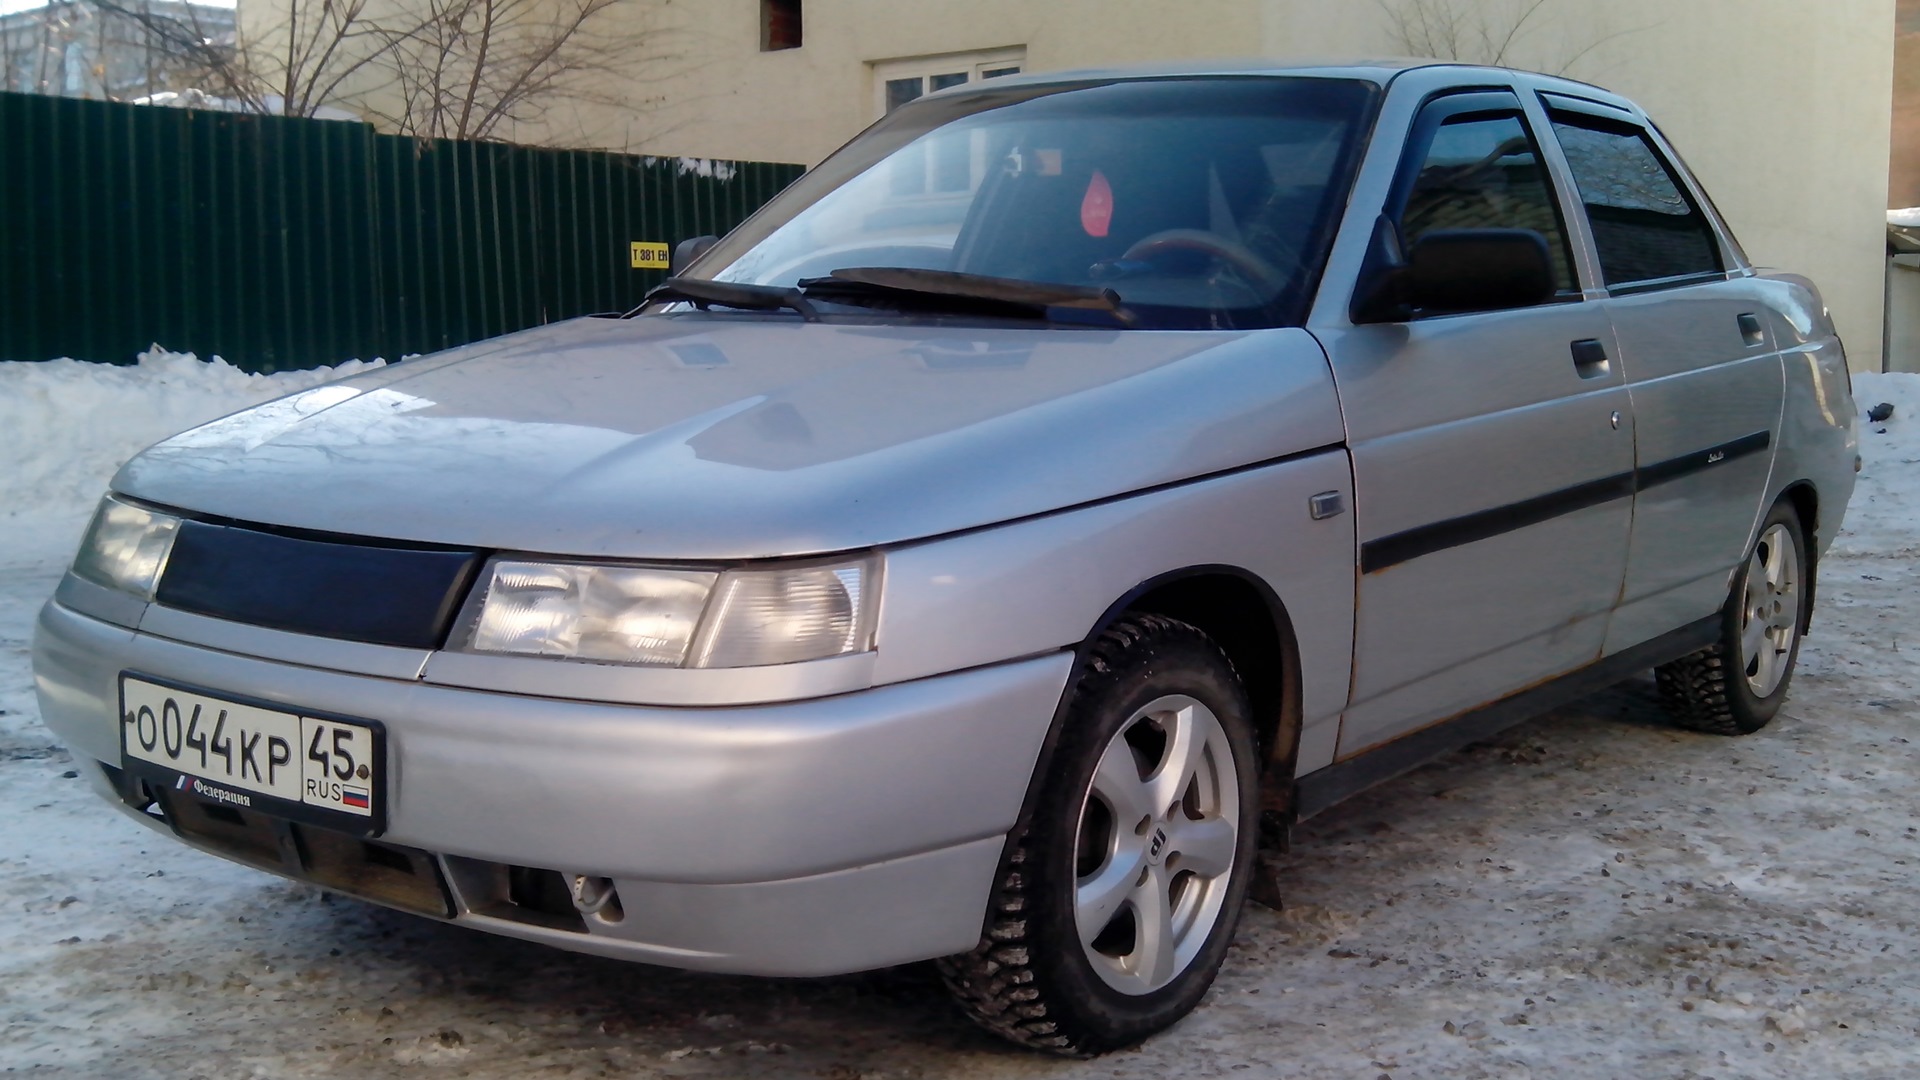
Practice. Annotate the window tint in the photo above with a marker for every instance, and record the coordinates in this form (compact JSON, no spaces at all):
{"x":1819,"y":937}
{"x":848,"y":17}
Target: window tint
{"x":1484,"y":173}
{"x":1644,"y":226}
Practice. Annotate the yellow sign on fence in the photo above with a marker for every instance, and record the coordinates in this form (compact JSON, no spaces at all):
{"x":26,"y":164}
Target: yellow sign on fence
{"x":648,"y":255}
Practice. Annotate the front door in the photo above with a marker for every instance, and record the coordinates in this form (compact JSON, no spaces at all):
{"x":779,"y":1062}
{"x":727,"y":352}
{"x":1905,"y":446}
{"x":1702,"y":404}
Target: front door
{"x":1492,"y":453}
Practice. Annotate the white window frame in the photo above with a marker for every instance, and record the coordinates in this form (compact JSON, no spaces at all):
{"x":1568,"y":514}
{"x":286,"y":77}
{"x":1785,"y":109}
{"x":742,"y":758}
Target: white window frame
{"x":974,"y":64}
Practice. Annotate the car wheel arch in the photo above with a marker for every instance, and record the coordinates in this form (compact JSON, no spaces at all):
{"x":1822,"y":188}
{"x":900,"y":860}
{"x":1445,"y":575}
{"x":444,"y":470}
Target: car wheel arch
{"x":1247,"y":619}
{"x":1250,"y":623}
{"x":1805,"y":499}
{"x":1806,"y":502}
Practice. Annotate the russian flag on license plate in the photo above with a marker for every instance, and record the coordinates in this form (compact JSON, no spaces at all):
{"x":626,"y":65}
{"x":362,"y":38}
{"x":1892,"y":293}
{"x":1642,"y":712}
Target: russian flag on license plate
{"x":359,"y":798}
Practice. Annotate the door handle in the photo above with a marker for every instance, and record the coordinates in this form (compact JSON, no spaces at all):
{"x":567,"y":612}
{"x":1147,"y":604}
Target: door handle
{"x":1590,"y":358}
{"x":1750,"y":329}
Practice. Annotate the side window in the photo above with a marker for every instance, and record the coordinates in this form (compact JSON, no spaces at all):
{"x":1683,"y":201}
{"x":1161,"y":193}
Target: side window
{"x":1484,"y":172}
{"x":1644,"y":226}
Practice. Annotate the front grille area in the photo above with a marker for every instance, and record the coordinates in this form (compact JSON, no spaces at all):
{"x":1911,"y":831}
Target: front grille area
{"x":385,"y":873}
{"x":522,"y":894}
{"x":401,"y":877}
{"x":383,"y":594}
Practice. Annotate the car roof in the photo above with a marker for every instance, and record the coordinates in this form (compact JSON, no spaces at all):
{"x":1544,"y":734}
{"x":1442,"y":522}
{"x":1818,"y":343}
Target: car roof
{"x":1380,"y":71}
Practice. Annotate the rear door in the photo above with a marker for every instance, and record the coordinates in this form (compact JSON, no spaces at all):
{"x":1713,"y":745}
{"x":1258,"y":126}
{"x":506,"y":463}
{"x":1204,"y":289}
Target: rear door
{"x":1492,"y":452}
{"x":1703,"y":375}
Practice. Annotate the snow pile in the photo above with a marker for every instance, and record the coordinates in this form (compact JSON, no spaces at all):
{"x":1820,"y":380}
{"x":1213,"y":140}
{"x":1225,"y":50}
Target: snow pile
{"x":268,"y":105}
{"x":1882,"y":517}
{"x":69,"y":424}
{"x":705,"y":168}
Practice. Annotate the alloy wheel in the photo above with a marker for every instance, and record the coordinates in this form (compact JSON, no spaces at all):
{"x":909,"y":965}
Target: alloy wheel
{"x":1154,"y":854}
{"x":1770,"y":610}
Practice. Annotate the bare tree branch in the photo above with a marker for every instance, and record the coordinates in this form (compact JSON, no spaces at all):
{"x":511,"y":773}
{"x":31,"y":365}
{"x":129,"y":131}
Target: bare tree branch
{"x":467,"y":69}
{"x":494,"y":64}
{"x":180,"y":48}
{"x":479,"y":64}
{"x":1481,"y":31}
{"x":1568,"y":63}
{"x":1500,"y":54}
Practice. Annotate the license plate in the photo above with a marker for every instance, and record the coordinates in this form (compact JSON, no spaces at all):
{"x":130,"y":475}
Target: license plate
{"x":315,"y":768}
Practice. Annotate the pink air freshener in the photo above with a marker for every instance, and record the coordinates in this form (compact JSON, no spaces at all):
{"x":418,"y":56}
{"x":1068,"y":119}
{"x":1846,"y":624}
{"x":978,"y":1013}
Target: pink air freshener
{"x":1096,"y":208}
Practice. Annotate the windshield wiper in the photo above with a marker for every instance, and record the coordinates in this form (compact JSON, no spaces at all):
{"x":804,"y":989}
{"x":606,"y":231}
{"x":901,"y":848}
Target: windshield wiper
{"x":971,"y":290}
{"x":733,"y":294}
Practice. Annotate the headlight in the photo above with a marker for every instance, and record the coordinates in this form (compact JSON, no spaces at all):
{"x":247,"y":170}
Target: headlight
{"x":678,"y":618}
{"x":126,"y":547}
{"x":779,"y":616}
{"x":625,"y":615}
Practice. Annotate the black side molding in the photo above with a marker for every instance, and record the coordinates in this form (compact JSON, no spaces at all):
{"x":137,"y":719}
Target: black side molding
{"x":1688,"y":464}
{"x":1396,"y":548}
{"x":1318,"y":790}
{"x":1486,"y":524}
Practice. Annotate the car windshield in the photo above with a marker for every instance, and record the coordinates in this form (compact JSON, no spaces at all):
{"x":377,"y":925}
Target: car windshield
{"x":1198,"y":202}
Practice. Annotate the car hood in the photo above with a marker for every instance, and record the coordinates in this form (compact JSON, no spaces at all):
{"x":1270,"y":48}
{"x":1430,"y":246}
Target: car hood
{"x":719,"y":437}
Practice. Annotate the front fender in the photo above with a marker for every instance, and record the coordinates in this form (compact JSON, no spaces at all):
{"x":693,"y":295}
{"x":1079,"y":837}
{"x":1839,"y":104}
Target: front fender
{"x":1044,"y":583}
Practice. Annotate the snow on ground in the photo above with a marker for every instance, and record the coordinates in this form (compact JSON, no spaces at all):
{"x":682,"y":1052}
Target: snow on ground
{"x":1593,"y":894}
{"x":1884,"y":516}
{"x":66,"y":425}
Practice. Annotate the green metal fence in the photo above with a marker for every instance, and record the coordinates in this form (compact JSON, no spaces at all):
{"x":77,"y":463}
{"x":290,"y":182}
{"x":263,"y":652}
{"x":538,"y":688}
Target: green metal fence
{"x":285,"y":243}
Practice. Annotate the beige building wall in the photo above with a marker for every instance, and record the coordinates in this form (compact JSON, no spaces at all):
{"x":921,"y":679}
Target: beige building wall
{"x":1783,"y":108}
{"x":722,"y":95}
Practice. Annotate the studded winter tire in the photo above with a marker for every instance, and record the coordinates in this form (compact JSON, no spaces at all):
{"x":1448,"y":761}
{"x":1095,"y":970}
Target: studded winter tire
{"x":1117,"y":902}
{"x":1736,"y":685}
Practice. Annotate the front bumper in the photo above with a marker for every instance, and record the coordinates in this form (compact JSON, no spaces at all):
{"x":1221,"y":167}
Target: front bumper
{"x":805,"y":838}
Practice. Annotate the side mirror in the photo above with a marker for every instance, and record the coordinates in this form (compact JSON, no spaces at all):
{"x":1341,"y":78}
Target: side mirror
{"x":1457,"y":270}
{"x":686,"y":251}
{"x":1453,"y":271}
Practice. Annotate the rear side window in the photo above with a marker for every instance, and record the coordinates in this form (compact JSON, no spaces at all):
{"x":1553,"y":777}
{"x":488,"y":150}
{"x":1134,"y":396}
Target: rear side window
{"x":1644,"y":226}
{"x":1483,"y":172}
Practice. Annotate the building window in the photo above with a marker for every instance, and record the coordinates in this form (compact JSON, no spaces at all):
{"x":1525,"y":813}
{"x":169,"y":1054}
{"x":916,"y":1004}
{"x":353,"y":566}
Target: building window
{"x":779,"y":25}
{"x":901,"y":81}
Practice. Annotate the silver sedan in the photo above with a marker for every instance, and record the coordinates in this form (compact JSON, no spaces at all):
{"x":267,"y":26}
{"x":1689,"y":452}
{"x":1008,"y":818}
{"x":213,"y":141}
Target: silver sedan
{"x":1069,"y":482}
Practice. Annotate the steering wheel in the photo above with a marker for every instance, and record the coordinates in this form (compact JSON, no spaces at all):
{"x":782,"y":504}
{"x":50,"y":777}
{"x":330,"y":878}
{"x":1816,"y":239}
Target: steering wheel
{"x":1260,"y":272}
